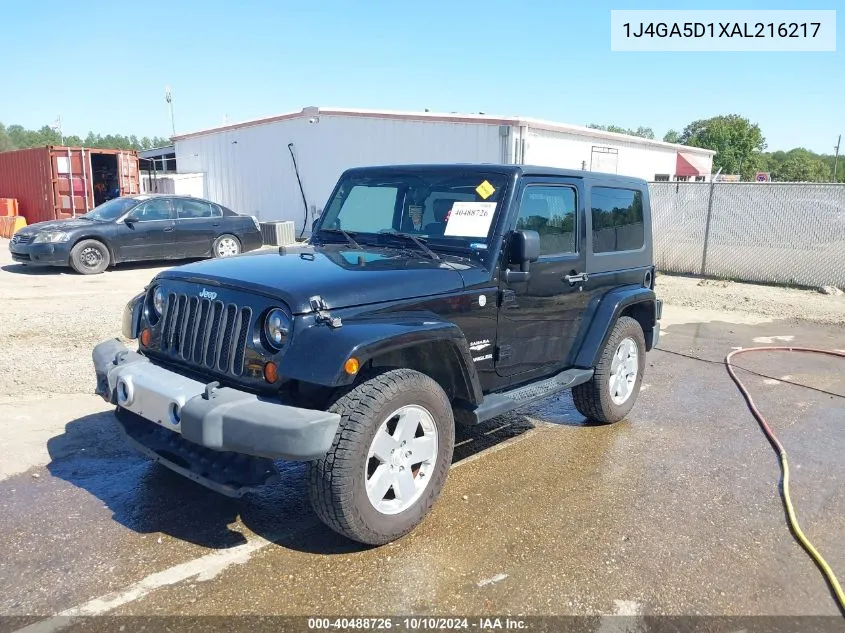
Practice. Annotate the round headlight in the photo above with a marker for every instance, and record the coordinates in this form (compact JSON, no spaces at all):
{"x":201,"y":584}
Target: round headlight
{"x":158,"y":301}
{"x":276,"y":328}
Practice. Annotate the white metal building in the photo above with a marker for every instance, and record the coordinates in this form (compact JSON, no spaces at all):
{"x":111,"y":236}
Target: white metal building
{"x":249,"y":166}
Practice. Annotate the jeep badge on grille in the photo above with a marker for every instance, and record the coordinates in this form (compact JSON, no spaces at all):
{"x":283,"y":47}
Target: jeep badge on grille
{"x":205,"y":294}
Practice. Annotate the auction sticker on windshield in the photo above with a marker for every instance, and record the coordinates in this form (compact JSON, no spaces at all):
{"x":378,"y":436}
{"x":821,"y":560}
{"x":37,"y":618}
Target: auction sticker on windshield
{"x":470,"y":219}
{"x":485,"y":189}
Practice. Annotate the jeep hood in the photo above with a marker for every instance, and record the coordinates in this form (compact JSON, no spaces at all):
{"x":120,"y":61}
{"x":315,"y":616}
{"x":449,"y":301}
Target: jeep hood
{"x":342,"y":277}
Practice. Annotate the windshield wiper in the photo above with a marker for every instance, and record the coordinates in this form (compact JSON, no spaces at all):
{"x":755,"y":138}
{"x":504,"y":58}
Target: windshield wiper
{"x":350,"y":240}
{"x":419,"y":242}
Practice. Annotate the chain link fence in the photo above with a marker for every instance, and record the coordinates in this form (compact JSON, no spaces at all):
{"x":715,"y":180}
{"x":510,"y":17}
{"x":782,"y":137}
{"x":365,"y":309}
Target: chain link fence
{"x":792,"y":233}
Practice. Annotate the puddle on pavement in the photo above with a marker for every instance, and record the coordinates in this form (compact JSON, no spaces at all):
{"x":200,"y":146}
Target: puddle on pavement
{"x":558,"y":409}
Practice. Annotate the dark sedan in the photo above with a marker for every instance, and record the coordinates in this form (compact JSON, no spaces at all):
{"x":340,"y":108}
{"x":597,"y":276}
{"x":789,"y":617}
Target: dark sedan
{"x":136,"y":228}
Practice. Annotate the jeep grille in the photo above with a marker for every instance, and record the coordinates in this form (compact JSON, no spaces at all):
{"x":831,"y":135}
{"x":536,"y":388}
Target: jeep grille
{"x":207,"y":334}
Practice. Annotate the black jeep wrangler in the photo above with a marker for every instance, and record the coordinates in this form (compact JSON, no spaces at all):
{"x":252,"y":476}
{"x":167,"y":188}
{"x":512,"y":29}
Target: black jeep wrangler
{"x":428,"y":295}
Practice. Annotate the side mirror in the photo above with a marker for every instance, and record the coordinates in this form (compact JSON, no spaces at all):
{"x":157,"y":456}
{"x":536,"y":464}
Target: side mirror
{"x":524,"y":249}
{"x":314,"y":224}
{"x":130,"y":219}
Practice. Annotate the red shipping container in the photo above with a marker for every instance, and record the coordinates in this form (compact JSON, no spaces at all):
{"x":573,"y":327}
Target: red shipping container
{"x":55,"y":183}
{"x":8,"y":207}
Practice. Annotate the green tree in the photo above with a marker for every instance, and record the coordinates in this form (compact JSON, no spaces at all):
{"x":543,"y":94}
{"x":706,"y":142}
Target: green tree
{"x":643,"y":132}
{"x":829,"y":160}
{"x":5,"y":140}
{"x":736,"y":140}
{"x":672,"y":136}
{"x":18,"y":137}
{"x":801,"y":165}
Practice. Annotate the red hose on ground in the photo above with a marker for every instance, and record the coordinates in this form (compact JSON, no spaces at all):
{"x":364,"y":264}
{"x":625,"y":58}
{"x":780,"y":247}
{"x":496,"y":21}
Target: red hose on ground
{"x":826,"y":570}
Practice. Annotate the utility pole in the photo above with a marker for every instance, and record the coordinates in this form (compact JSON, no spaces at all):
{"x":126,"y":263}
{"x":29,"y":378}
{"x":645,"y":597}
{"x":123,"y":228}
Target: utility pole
{"x":169,"y":98}
{"x":836,"y":157}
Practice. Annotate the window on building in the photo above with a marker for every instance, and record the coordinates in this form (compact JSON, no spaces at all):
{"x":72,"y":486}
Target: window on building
{"x":661,"y":177}
{"x":700,"y":178}
{"x":681,"y":178}
{"x":551,"y":212}
{"x":617,"y":216}
{"x":605,"y":159}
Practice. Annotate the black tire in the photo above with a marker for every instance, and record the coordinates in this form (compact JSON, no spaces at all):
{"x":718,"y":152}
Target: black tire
{"x":229,"y":239}
{"x":593,"y":398}
{"x":90,"y":257}
{"x":336,"y":483}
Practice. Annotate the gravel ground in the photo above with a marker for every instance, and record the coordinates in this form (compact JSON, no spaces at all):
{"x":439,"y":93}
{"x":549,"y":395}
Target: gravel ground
{"x":771,"y":302}
{"x":50,"y":319}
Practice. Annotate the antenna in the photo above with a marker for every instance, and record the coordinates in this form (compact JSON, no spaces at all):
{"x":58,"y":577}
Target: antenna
{"x":169,"y":98}
{"x":57,"y":126}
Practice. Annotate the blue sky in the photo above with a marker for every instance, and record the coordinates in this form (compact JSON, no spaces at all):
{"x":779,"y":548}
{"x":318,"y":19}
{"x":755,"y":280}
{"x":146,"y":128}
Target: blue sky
{"x":103,"y":66}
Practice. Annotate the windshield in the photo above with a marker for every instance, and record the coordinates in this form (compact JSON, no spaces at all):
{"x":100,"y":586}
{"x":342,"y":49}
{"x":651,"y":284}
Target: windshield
{"x":111,"y":210}
{"x":447,"y":208}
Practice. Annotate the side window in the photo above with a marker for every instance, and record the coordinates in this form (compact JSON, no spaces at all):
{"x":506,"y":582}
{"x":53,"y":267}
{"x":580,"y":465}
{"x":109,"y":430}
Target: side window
{"x":155,"y":209}
{"x":617,"y":219}
{"x":189,"y":209}
{"x":366,"y":209}
{"x":551,"y":211}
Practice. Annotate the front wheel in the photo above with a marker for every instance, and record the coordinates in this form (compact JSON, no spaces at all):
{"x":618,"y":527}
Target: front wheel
{"x":389,"y":459}
{"x":226,"y":246}
{"x":89,"y":257}
{"x":611,"y":392}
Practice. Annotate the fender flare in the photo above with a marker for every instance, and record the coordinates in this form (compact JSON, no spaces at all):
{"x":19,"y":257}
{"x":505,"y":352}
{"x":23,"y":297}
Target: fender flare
{"x":318,"y":352}
{"x":610,"y":307}
{"x":132,"y":313}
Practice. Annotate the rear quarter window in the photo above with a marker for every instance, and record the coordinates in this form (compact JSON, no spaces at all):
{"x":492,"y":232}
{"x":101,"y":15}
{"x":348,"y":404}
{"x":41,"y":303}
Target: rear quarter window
{"x":617,"y":216}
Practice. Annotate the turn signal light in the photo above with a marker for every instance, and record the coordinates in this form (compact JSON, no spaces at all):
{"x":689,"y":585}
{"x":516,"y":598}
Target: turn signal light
{"x":145,"y":337}
{"x":271,"y":372}
{"x":352,"y":366}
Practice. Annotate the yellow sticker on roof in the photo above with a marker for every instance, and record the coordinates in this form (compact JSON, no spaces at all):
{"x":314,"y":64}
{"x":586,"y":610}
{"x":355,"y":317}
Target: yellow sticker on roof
{"x":485,"y":189}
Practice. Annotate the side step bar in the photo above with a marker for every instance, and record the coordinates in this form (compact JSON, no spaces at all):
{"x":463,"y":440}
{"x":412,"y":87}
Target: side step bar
{"x":505,"y":401}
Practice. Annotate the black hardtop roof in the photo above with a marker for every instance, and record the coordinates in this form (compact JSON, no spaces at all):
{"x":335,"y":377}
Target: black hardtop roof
{"x":510,"y":170}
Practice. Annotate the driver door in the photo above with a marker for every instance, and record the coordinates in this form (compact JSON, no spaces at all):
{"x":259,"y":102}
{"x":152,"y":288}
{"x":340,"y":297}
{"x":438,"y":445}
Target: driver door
{"x":539,"y":318}
{"x":152,"y":236}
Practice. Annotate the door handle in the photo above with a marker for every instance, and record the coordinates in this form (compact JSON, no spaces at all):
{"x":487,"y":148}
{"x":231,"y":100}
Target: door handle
{"x":168,"y":228}
{"x":574,"y":278}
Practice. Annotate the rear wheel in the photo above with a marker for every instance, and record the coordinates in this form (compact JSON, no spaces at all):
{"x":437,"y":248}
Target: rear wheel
{"x":389,"y":460}
{"x":611,"y":392}
{"x":90,"y":257}
{"x":226,"y":246}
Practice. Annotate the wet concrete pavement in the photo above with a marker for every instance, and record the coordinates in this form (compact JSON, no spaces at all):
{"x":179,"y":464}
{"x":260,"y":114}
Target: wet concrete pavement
{"x":672,"y":511}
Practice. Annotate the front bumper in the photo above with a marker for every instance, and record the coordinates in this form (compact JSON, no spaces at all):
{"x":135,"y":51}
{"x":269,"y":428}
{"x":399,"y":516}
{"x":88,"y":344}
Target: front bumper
{"x":218,"y":418}
{"x":56,"y":254}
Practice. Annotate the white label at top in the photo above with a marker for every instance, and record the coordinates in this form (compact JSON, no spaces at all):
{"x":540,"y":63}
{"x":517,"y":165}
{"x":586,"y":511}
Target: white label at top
{"x":470,"y":219}
{"x":749,"y":30}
